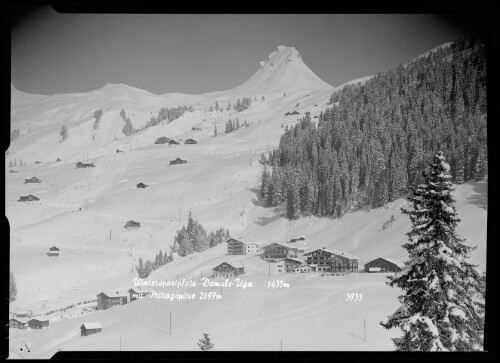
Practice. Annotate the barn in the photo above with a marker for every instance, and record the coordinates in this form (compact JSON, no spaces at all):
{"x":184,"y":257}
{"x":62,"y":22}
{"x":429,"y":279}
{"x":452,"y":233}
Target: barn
{"x":32,"y":180}
{"x":227,"y":270}
{"x":84,"y":165}
{"x":162,"y":140}
{"x":384,"y":264}
{"x":90,"y":328}
{"x":132,"y":225}
{"x":53,"y":251}
{"x":27,"y":198}
{"x":17,"y":324}
{"x":178,"y":161}
{"x":37,"y":324}
{"x":173,"y":142}
{"x":190,"y":141}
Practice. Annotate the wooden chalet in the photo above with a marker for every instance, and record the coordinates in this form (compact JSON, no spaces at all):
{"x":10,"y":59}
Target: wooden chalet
{"x":173,"y":142}
{"x":235,"y":247}
{"x":17,"y":324}
{"x":162,"y":140}
{"x":85,"y":165}
{"x":227,"y":270}
{"x":142,"y":185}
{"x":53,"y":251}
{"x":332,"y":261}
{"x":90,"y":328}
{"x":287,"y":265}
{"x":27,"y":198}
{"x":132,"y":225}
{"x":32,"y":180}
{"x":278,"y":251}
{"x":178,"y":161}
{"x":106,"y":300}
{"x":190,"y":141}
{"x":37,"y":324}
{"x":384,"y":264}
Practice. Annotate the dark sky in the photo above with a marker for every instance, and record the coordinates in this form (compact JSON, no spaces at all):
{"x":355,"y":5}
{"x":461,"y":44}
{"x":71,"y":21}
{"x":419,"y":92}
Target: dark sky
{"x":66,"y":53}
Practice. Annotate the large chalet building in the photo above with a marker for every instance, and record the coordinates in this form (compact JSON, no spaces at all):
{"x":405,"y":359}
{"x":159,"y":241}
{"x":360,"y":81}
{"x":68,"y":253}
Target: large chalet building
{"x":331,"y":261}
{"x":235,"y":247}
{"x":106,"y":300}
{"x":278,"y":251}
{"x":226,"y":270}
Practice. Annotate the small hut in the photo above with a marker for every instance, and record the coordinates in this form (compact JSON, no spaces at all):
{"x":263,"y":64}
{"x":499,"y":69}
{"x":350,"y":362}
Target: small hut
{"x":27,"y":198}
{"x":178,"y":161}
{"x":53,"y":251}
{"x":90,"y":328}
{"x":37,"y":324}
{"x":132,"y":225}
{"x":17,"y":324}
{"x":32,"y":180}
{"x":190,"y":141}
{"x":162,"y":140}
{"x":173,"y":142}
{"x":142,"y":185}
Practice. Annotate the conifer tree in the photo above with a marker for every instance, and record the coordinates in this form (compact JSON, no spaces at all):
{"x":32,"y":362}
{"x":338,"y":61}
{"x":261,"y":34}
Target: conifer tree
{"x":140,"y":268}
{"x":148,"y":268}
{"x":215,"y":130}
{"x":481,"y":165}
{"x":205,"y":343}
{"x":443,"y":300}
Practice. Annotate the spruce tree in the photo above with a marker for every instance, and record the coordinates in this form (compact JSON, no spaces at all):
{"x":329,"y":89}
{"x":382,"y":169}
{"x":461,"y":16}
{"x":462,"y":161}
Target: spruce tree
{"x":215,"y":130}
{"x":443,"y":301}
{"x":148,"y":268}
{"x":205,"y":344}
{"x":140,"y":268}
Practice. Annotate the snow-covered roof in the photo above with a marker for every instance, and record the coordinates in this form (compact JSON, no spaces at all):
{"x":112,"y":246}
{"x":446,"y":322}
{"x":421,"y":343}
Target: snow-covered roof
{"x":115,"y":293}
{"x":291,"y":259}
{"x":336,"y":252}
{"x":91,"y":326}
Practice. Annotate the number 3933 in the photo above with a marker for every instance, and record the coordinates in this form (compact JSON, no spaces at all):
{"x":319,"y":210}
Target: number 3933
{"x":354,"y":297}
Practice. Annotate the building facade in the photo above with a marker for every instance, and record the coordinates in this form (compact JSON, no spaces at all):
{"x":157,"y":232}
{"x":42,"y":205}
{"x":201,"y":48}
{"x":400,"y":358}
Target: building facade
{"x":110,"y":299}
{"x":334,"y":261}
{"x":37,"y":324}
{"x":287,"y":265}
{"x":235,"y":247}
{"x":17,"y":324}
{"x":226,"y":270}
{"x":277,"y":251}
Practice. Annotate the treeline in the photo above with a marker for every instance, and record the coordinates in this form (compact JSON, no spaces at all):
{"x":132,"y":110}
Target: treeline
{"x":145,"y":268}
{"x":97,"y":116}
{"x":169,"y":114}
{"x":128,"y":129}
{"x":234,"y":125}
{"x":372,"y":145}
{"x":243,"y":104}
{"x":194,"y":238}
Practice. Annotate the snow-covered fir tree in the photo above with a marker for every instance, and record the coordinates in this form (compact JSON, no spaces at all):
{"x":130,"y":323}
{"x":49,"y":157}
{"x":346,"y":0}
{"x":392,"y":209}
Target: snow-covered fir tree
{"x":443,"y":300}
{"x":205,"y":343}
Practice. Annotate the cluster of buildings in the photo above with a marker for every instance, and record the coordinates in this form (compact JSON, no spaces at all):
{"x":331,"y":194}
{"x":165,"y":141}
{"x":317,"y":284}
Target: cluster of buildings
{"x":292,"y":259}
{"x":18,"y":323}
{"x":166,"y":140}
